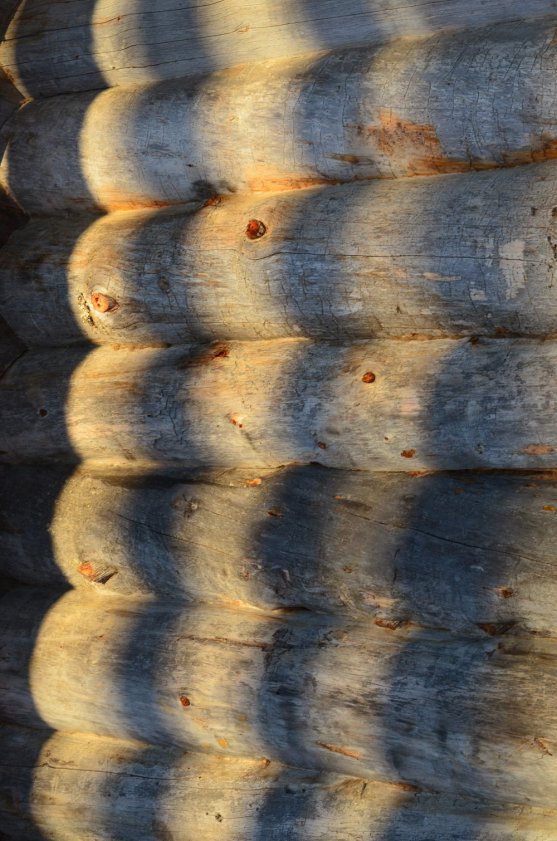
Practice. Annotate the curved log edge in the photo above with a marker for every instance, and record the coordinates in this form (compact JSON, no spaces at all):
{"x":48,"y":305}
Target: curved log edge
{"x":11,"y":348}
{"x":383,"y":405}
{"x":127,"y":790}
{"x":460,"y":551}
{"x":57,"y":48}
{"x":450,"y":256}
{"x":450,"y":103}
{"x":420,"y":707}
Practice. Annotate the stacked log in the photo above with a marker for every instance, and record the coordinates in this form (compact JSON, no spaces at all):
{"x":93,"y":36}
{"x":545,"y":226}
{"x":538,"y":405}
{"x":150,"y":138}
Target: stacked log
{"x":278,"y":394}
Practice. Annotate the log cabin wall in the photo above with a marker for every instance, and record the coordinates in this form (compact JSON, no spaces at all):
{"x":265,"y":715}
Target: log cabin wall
{"x":278,"y":447}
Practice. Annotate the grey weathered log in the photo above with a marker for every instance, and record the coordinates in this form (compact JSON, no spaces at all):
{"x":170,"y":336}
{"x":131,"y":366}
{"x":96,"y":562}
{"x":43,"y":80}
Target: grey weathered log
{"x":444,"y":104}
{"x":57,"y":47}
{"x":450,"y":255}
{"x":472,"y":715}
{"x":381,"y":405}
{"x":454,"y":551}
{"x":107,"y":789}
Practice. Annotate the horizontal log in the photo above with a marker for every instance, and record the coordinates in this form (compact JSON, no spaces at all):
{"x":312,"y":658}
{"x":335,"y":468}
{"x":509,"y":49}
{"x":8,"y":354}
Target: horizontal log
{"x":106,"y":789}
{"x":383,"y":405}
{"x":445,"y":256}
{"x":474,"y":99}
{"x":451,"y":551}
{"x":419,"y":707}
{"x":55,"y":48}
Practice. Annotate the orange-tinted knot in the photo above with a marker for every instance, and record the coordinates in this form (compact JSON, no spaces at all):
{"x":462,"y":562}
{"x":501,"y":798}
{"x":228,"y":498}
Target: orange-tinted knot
{"x":255,"y":229}
{"x":103,"y":303}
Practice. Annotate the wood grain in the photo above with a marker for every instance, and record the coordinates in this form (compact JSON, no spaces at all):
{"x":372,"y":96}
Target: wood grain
{"x":57,"y":47}
{"x":382,"y":405}
{"x":454,"y":102}
{"x":444,"y":256}
{"x":447,"y":551}
{"x":111,"y":789}
{"x":445,"y":713}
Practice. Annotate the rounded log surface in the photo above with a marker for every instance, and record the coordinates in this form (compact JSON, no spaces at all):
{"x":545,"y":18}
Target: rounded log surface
{"x":433,"y":404}
{"x":111,"y":789}
{"x":445,"y":713}
{"x":451,"y":551}
{"x":78,"y":45}
{"x":115,"y":789}
{"x":452,"y":255}
{"x":455,"y":102}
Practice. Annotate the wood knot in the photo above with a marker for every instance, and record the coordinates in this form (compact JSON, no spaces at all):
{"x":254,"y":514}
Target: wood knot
{"x":408,"y":453}
{"x":185,"y":701}
{"x":255,"y":229}
{"x":103,"y":303}
{"x":369,"y":377}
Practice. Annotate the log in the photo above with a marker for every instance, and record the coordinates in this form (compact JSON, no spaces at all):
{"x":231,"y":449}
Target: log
{"x":448,"y":551}
{"x":53,"y":48}
{"x":110,"y":789}
{"x":444,"y":256}
{"x":455,"y":102}
{"x":420,"y":707}
{"x":382,"y":405}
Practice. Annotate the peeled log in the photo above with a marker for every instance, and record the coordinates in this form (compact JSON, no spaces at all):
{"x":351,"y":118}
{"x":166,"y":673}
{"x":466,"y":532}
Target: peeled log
{"x":108,"y":789}
{"x":449,"y":255}
{"x":460,"y":101}
{"x":445,"y":713}
{"x":451,"y":551}
{"x":383,"y":405}
{"x":128,"y":790}
{"x":55,"y":48}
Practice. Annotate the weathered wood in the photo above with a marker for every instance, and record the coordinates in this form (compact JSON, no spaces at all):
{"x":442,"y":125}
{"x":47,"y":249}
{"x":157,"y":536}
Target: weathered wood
{"x":113,"y":790}
{"x":449,"y":255}
{"x":453,"y":551}
{"x":444,"y":104}
{"x":58,"y":47}
{"x":383,"y":405}
{"x":11,"y":348}
{"x":421,"y":707}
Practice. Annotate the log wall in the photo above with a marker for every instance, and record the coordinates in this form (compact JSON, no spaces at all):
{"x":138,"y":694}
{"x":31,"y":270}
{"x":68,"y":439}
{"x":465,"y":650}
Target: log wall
{"x":277,"y":389}
{"x":320,"y":693}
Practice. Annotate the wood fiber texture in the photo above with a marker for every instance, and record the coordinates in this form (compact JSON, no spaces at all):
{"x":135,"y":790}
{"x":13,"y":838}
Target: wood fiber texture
{"x":452,"y":551}
{"x":381,"y":405}
{"x":79,"y":45}
{"x":448,"y":103}
{"x":434,"y":256}
{"x":114,"y":790}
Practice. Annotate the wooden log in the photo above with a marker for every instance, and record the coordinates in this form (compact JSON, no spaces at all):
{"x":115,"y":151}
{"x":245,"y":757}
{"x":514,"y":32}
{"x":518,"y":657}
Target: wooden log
{"x":107,"y":789}
{"x":451,"y":551}
{"x":420,"y":707}
{"x":461,"y":101}
{"x":383,"y":405}
{"x":444,"y":256}
{"x":55,"y":48}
